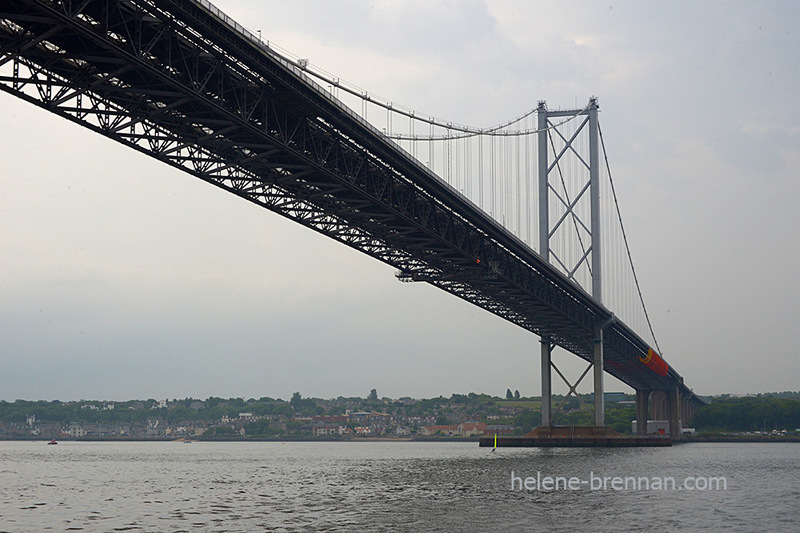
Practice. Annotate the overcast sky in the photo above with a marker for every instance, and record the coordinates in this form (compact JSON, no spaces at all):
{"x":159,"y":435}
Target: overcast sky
{"x":121,"y":277}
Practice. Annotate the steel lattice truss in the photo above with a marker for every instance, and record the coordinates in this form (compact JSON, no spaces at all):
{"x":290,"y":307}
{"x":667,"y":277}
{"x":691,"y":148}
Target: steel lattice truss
{"x":174,"y":81}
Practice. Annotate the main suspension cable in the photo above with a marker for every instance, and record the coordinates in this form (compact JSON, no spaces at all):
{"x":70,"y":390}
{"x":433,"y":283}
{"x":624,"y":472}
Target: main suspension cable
{"x":498,"y":130}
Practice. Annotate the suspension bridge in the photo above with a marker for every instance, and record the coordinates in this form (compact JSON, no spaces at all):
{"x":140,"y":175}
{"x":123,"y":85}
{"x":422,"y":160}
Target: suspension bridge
{"x":520,"y":218}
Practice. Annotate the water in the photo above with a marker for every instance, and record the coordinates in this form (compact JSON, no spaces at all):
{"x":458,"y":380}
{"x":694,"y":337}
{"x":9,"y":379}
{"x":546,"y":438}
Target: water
{"x":387,"y":486}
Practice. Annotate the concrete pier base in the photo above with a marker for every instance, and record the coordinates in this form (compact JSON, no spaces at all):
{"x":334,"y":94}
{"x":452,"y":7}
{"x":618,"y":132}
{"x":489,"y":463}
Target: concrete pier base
{"x":674,"y":407}
{"x":642,"y":411}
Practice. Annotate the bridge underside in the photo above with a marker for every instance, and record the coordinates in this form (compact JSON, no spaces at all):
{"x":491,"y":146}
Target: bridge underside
{"x":172,"y":79}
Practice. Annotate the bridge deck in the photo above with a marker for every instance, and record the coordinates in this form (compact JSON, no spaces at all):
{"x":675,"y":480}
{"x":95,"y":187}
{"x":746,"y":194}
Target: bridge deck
{"x":175,"y":80}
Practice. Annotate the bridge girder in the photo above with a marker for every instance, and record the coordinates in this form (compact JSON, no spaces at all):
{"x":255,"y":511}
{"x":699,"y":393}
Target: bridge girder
{"x":170,"y":79}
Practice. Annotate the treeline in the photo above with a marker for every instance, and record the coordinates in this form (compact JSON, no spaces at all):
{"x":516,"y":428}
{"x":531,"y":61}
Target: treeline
{"x":522,"y":413}
{"x":723,"y":413}
{"x":214,"y":408}
{"x":751,"y":413}
{"x":133,"y":411}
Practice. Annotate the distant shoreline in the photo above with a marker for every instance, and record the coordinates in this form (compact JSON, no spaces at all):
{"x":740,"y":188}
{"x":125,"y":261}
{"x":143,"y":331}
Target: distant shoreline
{"x":686,"y":439}
{"x":247,"y":439}
{"x":740,"y":438}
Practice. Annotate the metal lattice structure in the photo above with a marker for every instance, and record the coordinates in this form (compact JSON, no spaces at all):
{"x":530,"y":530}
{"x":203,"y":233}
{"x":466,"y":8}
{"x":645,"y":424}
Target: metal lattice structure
{"x":178,"y":81}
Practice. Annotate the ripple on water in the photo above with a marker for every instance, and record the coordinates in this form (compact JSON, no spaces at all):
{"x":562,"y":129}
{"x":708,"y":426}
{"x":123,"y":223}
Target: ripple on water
{"x":383,"y":487}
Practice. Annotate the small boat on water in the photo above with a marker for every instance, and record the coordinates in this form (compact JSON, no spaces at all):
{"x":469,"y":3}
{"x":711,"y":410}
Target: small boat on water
{"x":52,"y":442}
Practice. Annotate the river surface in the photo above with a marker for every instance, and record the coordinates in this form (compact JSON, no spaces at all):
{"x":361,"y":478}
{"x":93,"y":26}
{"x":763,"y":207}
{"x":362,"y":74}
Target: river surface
{"x":395,"y":486}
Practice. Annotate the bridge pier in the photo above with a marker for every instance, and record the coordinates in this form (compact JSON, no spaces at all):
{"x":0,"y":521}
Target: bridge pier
{"x":547,"y":382}
{"x":693,"y":406}
{"x":599,"y":390}
{"x":674,"y":412}
{"x":642,"y":409}
{"x":688,"y":409}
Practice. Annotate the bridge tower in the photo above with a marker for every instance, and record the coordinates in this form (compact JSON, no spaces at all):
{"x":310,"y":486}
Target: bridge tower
{"x":573,"y":210}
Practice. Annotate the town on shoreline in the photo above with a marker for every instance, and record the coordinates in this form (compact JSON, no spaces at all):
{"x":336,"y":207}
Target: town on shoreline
{"x":459,"y":417}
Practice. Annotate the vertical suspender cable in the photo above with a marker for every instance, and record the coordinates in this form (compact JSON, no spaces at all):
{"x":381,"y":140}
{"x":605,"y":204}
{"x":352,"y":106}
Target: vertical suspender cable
{"x":625,"y":239}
